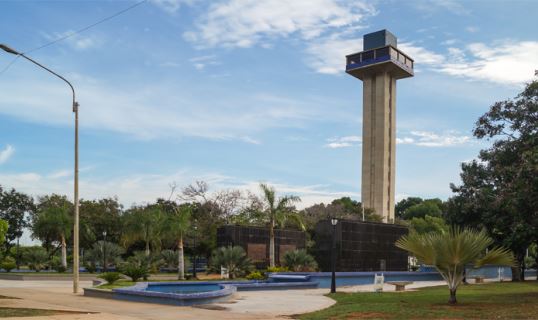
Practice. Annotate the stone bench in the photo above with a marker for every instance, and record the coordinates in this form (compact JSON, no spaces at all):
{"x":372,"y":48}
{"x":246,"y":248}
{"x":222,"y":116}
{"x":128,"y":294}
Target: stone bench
{"x":478,"y":279}
{"x":400,"y":285}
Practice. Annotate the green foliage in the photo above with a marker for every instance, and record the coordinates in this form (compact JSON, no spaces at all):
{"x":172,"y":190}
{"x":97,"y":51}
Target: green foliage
{"x":405,"y":204}
{"x":428,"y":224}
{"x":256,"y":275}
{"x":56,"y":264}
{"x":110,"y":277}
{"x":8,"y":264}
{"x":278,"y":269}
{"x":232,"y":258}
{"x":13,"y":208}
{"x":134,"y":270}
{"x":499,"y":190}
{"x":431,"y":207}
{"x":4,"y":227}
{"x":144,"y":224}
{"x":98,"y":216}
{"x":300,"y":261}
{"x":451,"y":251}
{"x":36,"y":258}
{"x":95,"y":256}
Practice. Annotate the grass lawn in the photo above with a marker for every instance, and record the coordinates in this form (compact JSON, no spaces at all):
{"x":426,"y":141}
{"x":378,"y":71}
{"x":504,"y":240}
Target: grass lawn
{"x":27,"y":312}
{"x":484,"y":301}
{"x":117,"y":284}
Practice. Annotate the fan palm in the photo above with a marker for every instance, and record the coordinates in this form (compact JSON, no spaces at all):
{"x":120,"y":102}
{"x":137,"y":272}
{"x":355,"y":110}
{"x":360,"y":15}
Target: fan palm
{"x":450,"y":251}
{"x":277,"y":212}
{"x":232,"y":258}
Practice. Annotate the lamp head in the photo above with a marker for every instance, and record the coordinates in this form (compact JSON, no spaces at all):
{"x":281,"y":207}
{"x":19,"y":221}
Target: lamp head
{"x":334,"y":221}
{"x":8,"y":49}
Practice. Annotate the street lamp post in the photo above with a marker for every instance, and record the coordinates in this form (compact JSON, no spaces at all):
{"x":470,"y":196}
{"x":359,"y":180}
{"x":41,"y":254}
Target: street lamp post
{"x":334,"y":221}
{"x":75,"y":110}
{"x":104,"y":251}
{"x":194,"y":252}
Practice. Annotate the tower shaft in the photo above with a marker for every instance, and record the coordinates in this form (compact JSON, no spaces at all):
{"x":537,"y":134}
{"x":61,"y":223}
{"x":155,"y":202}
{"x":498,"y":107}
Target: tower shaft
{"x":379,"y":144}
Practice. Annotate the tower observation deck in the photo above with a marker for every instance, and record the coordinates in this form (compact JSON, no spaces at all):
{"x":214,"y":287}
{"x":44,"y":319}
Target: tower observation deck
{"x":379,"y":66}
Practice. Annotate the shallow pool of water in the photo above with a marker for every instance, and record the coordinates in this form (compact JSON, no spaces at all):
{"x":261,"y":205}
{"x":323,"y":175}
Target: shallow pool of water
{"x":184,"y":288}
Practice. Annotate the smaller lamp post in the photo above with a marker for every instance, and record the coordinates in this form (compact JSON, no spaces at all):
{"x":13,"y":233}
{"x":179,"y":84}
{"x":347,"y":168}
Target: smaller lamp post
{"x":104,"y":251}
{"x":334,"y":221}
{"x":194,"y":251}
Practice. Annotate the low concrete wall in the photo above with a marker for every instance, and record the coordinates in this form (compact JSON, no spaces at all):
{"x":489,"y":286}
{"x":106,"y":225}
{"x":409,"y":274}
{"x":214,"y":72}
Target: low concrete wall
{"x":45,"y":276}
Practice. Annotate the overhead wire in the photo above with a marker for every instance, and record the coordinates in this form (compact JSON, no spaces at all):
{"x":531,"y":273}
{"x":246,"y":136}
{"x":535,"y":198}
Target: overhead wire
{"x":67,"y":36}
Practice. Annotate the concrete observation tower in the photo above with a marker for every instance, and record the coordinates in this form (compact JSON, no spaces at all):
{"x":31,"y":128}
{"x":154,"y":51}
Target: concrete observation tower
{"x":379,"y":66}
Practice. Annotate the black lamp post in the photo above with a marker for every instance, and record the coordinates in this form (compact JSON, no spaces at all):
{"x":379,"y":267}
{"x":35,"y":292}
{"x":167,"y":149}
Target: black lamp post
{"x":334,"y":221}
{"x":194,"y":251}
{"x":104,"y":251}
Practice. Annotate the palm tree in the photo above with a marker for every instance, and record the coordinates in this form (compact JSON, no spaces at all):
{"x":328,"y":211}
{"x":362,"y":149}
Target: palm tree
{"x":450,"y":251}
{"x":277,"y":211}
{"x":54,"y":222}
{"x":144,"y":224}
{"x":176,"y":226}
{"x":234,"y":259}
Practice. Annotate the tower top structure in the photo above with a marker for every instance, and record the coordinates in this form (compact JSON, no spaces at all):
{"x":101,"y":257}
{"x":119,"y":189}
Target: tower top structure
{"x":380,"y":54}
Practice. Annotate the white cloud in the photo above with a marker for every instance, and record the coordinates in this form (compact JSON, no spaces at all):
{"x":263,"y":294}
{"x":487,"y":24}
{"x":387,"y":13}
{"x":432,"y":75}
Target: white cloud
{"x":163,"y":111}
{"x":421,"y":55}
{"x":145,"y":188}
{"x":431,"y":139}
{"x":327,"y":55}
{"x":172,"y":6}
{"x":504,"y":63}
{"x":245,"y":23}
{"x":203,"y":61}
{"x":432,"y":6}
{"x":76,"y":41}
{"x":6,"y":153}
{"x":343,"y":142}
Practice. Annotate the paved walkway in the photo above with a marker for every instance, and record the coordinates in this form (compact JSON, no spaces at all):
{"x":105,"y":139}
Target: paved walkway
{"x":280,"y":304}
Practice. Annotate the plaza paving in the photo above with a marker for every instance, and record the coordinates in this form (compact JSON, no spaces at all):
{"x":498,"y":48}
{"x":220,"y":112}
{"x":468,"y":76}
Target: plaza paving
{"x":57,"y":295}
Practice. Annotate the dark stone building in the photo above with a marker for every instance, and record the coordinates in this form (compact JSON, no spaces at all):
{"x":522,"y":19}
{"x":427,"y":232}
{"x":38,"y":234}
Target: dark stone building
{"x":255,"y":241}
{"x":361,"y":246}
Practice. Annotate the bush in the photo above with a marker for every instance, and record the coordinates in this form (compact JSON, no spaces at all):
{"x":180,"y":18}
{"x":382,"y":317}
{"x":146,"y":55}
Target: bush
{"x":300,"y":261}
{"x":110,"y":277}
{"x":37,"y":258}
{"x":256,"y":275}
{"x":8,"y":264}
{"x":56,"y":264}
{"x":134,"y":270}
{"x":232,"y":258}
{"x":278,"y":269}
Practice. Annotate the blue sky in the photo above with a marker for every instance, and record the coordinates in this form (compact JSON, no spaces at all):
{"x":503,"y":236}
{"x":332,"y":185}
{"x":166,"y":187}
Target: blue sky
{"x":238,"y":92}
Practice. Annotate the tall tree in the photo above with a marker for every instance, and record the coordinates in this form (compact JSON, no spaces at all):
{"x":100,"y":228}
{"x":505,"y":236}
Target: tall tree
{"x":54,"y":223}
{"x":144,"y":224}
{"x":99,"y":216}
{"x":277,"y":211}
{"x":176,"y":226}
{"x":500,"y":191}
{"x":15,"y":208}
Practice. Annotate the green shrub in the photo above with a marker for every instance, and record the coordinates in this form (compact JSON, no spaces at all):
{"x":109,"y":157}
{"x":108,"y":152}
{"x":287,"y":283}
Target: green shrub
{"x":300,"y":261}
{"x":134,"y":270}
{"x":56,"y":264}
{"x":8,"y":264}
{"x":278,"y":269}
{"x":256,"y":275}
{"x":36,"y":258}
{"x":232,"y":258}
{"x":110,"y":277}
